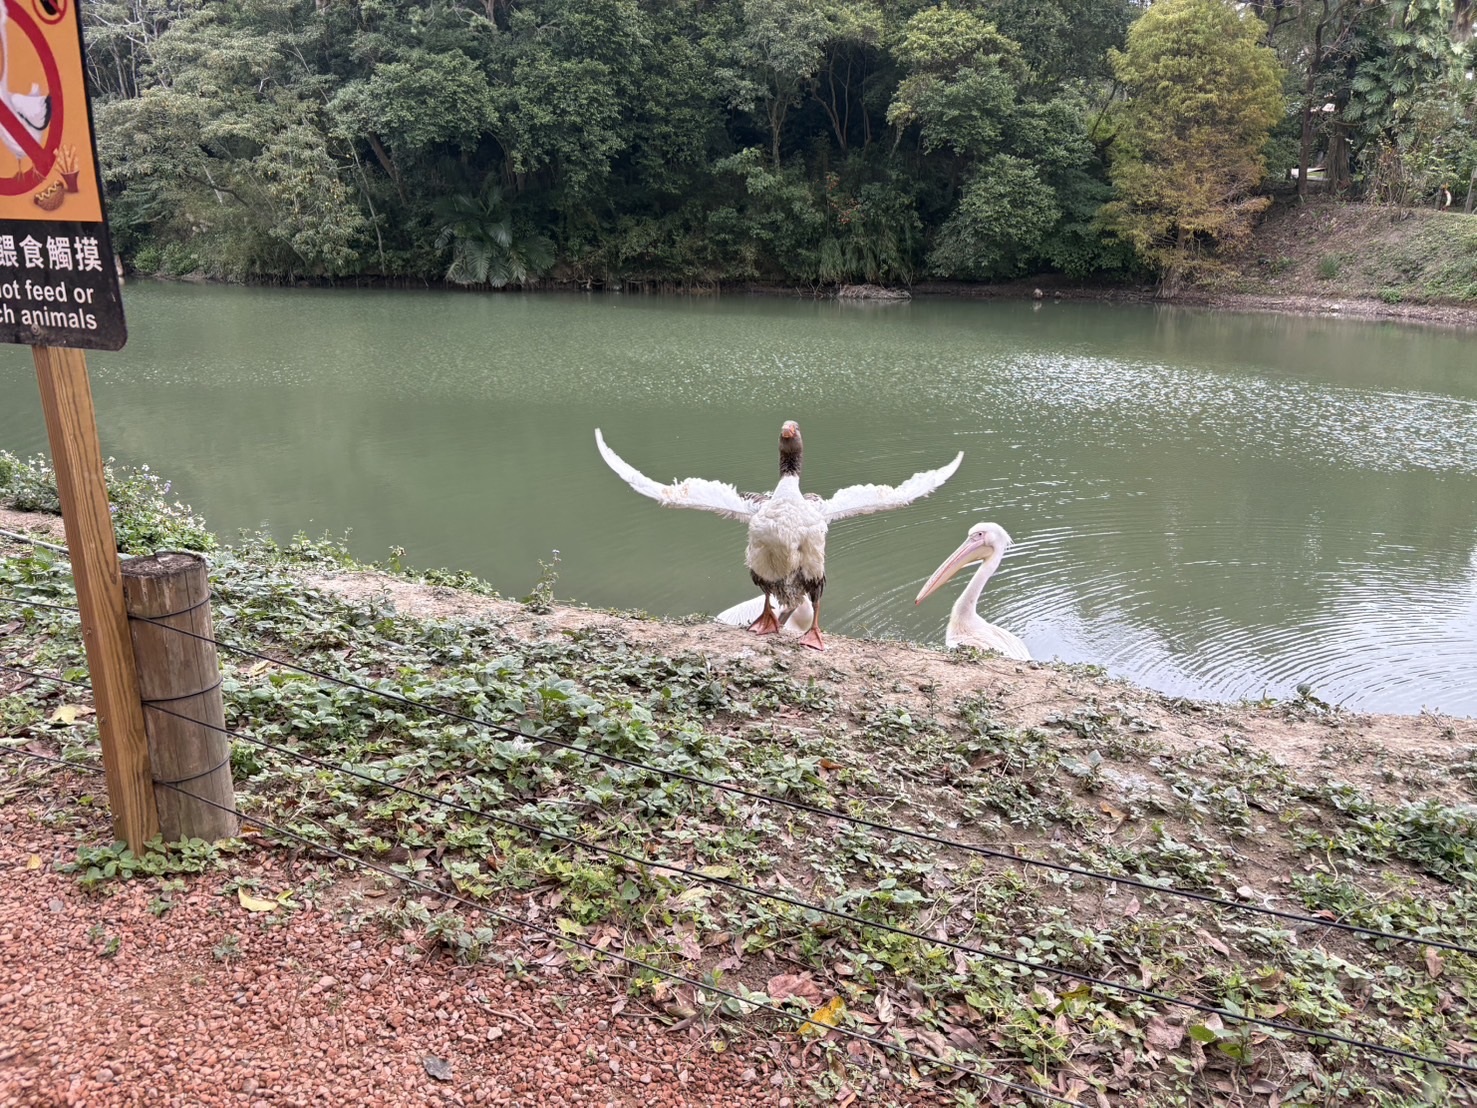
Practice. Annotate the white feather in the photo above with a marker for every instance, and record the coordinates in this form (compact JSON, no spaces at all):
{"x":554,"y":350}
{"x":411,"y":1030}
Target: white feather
{"x":694,"y":492}
{"x":856,"y":500}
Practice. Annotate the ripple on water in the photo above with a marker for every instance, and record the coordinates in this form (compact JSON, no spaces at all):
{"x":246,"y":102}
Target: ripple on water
{"x":1209,"y":506}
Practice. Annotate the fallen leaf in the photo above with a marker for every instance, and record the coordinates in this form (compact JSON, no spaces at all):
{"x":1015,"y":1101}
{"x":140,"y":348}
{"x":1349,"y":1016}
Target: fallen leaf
{"x":33,"y":862}
{"x":1434,"y":962}
{"x":827,"y":1016}
{"x":255,"y":904}
{"x":785,"y":985}
{"x":884,"y":1007}
{"x":1163,"y":1037}
{"x":67,"y":713}
{"x":1211,"y":941}
{"x":439,"y":1068}
{"x":1131,"y":909}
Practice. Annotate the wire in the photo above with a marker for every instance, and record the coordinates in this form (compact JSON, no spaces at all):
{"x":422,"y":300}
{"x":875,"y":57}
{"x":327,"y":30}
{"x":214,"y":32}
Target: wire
{"x":637,"y":962}
{"x":35,"y":542}
{"x":833,"y":813}
{"x":814,"y":809}
{"x":45,"y":676}
{"x":749,"y":890}
{"x":80,"y":767}
{"x":26,"y":603}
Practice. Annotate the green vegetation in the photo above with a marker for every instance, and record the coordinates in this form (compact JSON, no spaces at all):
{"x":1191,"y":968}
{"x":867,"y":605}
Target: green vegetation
{"x":612,"y":142}
{"x":1102,"y":784}
{"x":1203,"y":95}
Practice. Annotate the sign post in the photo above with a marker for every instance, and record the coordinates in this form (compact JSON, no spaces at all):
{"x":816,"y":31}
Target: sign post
{"x":59,"y":293}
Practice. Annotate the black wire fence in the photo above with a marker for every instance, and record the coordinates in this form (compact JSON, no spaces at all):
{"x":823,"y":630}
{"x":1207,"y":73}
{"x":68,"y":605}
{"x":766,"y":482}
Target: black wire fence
{"x":1044,"y":969}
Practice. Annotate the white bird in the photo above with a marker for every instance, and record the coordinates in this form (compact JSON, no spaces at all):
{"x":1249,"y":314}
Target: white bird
{"x":986,"y":544}
{"x":786,"y":554}
{"x":33,"y":109}
{"x":794,"y":622}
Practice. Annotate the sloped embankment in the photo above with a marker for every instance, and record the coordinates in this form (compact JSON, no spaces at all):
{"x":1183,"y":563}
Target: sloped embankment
{"x":1334,"y":817}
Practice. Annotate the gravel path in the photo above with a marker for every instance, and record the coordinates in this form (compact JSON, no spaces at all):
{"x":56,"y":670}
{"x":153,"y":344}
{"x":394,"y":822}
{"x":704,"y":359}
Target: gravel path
{"x":105,"y":1001}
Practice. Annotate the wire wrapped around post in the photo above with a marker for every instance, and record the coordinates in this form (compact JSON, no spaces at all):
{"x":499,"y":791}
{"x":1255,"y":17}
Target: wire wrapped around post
{"x":165,"y":593}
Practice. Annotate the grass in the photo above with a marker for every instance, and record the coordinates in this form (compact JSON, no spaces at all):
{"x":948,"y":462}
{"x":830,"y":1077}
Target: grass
{"x":1096,"y":785}
{"x":1414,"y":256}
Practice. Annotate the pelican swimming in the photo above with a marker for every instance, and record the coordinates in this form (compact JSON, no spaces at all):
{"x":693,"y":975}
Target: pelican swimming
{"x":786,"y":554}
{"x":986,"y":544}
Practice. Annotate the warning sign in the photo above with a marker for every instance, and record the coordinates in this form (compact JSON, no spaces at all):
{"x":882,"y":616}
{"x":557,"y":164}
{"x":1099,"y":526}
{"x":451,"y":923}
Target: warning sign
{"x":58,"y":281}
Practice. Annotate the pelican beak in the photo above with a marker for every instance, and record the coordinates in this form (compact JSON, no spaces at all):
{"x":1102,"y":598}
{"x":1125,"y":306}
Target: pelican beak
{"x":972,"y":550}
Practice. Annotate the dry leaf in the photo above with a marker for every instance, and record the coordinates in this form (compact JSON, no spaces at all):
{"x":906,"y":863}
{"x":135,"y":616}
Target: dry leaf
{"x":253,"y":903}
{"x":785,"y":985}
{"x":1163,"y":1036}
{"x":1434,"y":962}
{"x":824,"y":1018}
{"x":67,"y":713}
{"x":33,"y":862}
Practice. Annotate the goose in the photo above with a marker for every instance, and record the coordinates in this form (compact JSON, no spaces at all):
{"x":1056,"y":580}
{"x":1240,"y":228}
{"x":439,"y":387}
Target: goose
{"x":786,"y":554}
{"x":32,"y":109}
{"x":986,"y":544}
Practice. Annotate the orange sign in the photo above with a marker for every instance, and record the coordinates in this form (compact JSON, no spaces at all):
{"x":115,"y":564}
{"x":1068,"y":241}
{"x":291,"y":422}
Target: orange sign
{"x":46,"y":159}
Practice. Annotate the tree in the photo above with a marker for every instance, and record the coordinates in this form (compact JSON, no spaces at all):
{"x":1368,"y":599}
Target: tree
{"x":1203,"y":94}
{"x":487,"y":246}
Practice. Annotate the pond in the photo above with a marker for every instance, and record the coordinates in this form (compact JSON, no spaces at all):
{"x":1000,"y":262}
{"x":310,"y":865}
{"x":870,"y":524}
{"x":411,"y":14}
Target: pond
{"x":1213,"y":505}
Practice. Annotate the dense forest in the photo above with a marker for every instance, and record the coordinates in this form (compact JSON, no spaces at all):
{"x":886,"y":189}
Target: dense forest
{"x":691,"y":142}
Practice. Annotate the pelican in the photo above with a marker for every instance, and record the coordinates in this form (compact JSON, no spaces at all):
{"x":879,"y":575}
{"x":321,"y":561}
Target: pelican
{"x":33,"y":109}
{"x":986,"y":544}
{"x":797,"y":621}
{"x":786,"y":554}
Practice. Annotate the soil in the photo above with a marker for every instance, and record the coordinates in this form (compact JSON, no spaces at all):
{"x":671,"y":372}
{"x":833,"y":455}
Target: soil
{"x":192,"y":1000}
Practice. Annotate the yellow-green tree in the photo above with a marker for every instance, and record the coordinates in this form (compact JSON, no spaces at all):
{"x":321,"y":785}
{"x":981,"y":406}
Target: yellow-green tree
{"x":1203,"y":93}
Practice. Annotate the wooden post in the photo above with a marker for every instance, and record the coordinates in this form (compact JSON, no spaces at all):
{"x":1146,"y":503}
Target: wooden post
{"x":179,"y":677}
{"x":71,"y":427}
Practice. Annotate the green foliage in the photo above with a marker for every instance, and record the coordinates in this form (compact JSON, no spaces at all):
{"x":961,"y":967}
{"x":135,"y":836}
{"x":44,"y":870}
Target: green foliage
{"x":1203,"y":94}
{"x":288,"y":139}
{"x":1329,"y":266}
{"x":488,"y":247}
{"x":144,"y":518}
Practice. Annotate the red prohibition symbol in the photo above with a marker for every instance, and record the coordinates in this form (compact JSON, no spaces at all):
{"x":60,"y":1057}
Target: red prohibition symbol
{"x":18,"y":135}
{"x":50,"y":11}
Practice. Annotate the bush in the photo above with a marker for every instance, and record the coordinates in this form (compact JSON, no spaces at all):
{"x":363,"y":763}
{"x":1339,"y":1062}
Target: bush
{"x":1329,"y":266}
{"x":144,"y":519}
{"x":148,"y":260}
{"x":177,"y":260}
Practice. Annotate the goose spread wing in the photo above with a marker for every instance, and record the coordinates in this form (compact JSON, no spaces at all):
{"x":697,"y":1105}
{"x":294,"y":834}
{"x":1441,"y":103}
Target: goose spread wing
{"x":856,"y":500}
{"x":694,"y":492}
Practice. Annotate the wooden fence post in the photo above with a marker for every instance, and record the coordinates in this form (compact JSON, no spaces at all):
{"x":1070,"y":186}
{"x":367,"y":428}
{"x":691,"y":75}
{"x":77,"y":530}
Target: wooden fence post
{"x":179,"y":677}
{"x":71,"y":427}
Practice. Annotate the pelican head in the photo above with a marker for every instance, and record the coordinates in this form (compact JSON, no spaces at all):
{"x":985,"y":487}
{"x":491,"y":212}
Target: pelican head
{"x":790,"y":447}
{"x":985,"y":541}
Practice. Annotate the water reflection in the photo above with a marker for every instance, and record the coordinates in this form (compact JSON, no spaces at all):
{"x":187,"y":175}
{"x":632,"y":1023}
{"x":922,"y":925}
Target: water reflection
{"x":1213,"y":505}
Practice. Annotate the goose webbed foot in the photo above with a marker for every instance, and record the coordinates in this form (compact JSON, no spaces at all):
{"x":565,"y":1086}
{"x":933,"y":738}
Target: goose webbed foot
{"x":766,"y":624}
{"x":812,"y":638}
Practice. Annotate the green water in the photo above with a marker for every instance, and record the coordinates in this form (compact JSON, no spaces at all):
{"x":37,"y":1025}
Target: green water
{"x":1212,"y":505}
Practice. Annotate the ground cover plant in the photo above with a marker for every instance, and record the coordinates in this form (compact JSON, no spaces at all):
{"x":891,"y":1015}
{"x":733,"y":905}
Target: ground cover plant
{"x":1285,"y":804}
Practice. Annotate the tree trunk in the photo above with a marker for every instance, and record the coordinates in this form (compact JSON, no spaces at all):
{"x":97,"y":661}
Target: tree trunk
{"x":1305,"y":153}
{"x":1336,"y":165}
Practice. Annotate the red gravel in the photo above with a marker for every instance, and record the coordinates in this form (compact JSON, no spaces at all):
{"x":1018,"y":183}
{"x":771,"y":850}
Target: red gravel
{"x":310,"y":1010}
